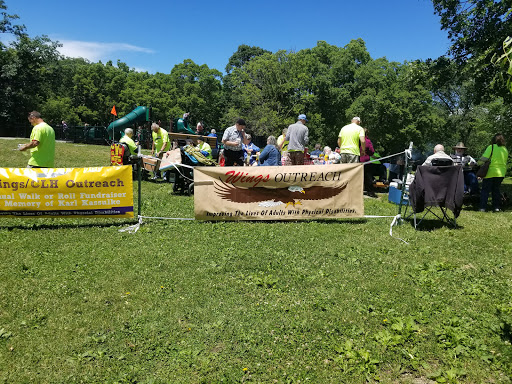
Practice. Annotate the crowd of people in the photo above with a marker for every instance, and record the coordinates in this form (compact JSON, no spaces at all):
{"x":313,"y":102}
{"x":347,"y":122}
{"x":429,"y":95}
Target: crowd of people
{"x":496,"y":155}
{"x":354,"y":146}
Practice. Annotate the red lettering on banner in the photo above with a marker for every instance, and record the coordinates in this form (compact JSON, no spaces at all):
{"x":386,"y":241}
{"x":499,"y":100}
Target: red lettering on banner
{"x":233,"y":177}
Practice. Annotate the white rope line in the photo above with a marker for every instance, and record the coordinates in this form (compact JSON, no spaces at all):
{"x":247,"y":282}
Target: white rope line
{"x":134,"y":228}
{"x":188,"y":166}
{"x":166,"y":218}
{"x":407,"y":152}
{"x":383,"y":158}
{"x":395,"y":221}
{"x":183,"y":165}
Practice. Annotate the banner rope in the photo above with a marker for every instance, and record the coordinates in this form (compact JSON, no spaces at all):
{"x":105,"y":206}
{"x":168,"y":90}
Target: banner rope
{"x":175,"y":166}
{"x":183,"y":165}
{"x":407,"y":152}
{"x":396,"y":220}
{"x":134,"y":228}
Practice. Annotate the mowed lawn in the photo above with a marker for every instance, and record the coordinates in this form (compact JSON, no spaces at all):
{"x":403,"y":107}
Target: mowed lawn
{"x":334,"y":301}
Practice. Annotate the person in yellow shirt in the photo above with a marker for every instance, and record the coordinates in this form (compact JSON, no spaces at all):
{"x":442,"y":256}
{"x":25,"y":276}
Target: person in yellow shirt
{"x":161,"y":144}
{"x":204,"y":147}
{"x":127,"y":139}
{"x":351,"y":141}
{"x":42,"y":143}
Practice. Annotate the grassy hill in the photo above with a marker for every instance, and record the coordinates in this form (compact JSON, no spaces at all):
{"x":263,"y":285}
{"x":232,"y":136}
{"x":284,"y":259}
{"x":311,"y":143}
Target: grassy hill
{"x":285,"y":302}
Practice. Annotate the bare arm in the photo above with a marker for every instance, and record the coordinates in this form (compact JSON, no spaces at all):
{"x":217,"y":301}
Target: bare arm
{"x":32,"y":144}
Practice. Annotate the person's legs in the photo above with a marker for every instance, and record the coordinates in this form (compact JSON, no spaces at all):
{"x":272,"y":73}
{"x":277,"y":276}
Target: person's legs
{"x":347,"y":158}
{"x":299,"y":158}
{"x":484,"y":195}
{"x":368,"y":180}
{"x":233,"y":158}
{"x":380,"y":171}
{"x":471,"y":183}
{"x":296,"y":157}
{"x":496,"y":194}
{"x":230,"y":157}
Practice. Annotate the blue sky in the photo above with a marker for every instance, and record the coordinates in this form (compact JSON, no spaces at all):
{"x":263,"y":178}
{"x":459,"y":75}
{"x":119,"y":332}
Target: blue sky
{"x":154,"y":35}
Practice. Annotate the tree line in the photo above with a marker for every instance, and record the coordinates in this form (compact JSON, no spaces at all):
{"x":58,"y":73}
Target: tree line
{"x":462,"y":96}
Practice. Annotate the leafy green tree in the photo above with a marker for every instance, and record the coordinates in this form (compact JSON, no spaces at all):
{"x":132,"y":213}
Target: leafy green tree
{"x":26,"y":65}
{"x":6,"y":22}
{"x":477,"y":29}
{"x":394,"y":106}
{"x":196,"y":89}
{"x":57,"y":109}
{"x":243,"y":55}
{"x":505,"y":60}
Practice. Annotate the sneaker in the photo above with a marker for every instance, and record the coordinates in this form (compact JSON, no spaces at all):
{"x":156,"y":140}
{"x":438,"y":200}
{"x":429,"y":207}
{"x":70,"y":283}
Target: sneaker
{"x":497,"y":210}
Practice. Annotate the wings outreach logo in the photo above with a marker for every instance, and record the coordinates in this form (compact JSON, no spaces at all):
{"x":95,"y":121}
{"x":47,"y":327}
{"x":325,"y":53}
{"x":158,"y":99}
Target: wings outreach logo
{"x":273,"y":197}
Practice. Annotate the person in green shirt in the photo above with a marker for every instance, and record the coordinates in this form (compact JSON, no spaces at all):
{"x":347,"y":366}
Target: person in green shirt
{"x":205,"y":148}
{"x":161,"y":144}
{"x":351,"y":141}
{"x":498,"y":154}
{"x":127,"y":139}
{"x":42,"y":143}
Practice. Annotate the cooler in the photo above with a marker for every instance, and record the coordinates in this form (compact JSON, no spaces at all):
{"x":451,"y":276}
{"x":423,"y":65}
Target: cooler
{"x":395,"y":193}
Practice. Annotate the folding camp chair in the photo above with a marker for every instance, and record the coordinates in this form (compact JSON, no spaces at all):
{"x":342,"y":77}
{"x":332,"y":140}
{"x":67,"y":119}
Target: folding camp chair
{"x":439,"y":187}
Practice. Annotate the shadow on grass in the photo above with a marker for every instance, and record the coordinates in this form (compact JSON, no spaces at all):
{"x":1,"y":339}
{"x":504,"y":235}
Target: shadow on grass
{"x":433,"y":224}
{"x":37,"y":227}
{"x":506,"y":334}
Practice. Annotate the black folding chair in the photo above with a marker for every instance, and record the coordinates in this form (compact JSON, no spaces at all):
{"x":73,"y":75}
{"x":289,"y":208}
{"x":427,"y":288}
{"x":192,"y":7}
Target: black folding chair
{"x":437,"y":187}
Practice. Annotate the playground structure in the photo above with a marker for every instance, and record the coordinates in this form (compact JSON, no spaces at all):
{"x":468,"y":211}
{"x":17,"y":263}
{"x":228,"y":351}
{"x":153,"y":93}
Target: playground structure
{"x":181,"y":174}
{"x":141,"y":114}
{"x":182,"y":126}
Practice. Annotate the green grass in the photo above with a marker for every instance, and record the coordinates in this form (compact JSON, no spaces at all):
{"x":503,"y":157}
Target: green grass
{"x":197,"y":302}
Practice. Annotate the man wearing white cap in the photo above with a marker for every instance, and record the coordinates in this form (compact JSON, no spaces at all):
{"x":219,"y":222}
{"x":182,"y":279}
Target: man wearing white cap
{"x":297,"y":135}
{"x":350,"y":139}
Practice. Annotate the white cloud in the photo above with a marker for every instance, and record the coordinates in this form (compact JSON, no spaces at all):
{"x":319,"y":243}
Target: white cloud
{"x":95,"y":51}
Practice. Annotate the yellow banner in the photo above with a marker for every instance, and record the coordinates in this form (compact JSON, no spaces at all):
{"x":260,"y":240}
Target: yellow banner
{"x":278,"y":193}
{"x":61,"y":192}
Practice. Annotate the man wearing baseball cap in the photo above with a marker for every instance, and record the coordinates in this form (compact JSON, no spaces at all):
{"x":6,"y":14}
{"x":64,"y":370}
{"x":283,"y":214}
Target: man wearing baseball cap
{"x":297,"y":135}
{"x":350,"y":138}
